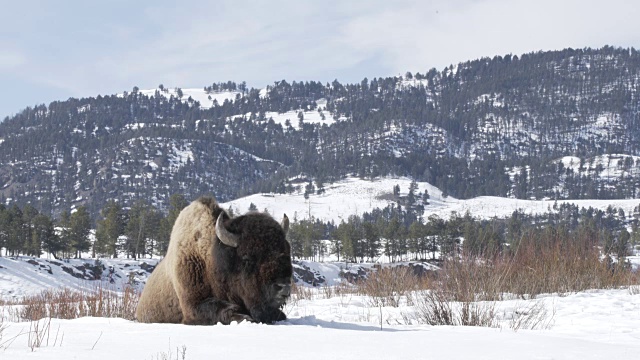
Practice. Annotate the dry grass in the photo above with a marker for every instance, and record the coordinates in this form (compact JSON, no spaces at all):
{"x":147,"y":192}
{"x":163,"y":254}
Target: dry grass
{"x":555,"y":262}
{"x":180,"y":354}
{"x":437,"y":307}
{"x":389,"y":285}
{"x":3,"y":328}
{"x":65,"y":303}
{"x":532,"y":316}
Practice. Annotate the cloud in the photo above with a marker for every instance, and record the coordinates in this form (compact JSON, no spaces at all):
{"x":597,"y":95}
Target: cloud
{"x":10,"y":60}
{"x":114,"y":46}
{"x":421,"y":35}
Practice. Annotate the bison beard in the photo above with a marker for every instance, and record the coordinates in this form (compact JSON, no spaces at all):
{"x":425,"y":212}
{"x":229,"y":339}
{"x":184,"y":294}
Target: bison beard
{"x":220,"y":269}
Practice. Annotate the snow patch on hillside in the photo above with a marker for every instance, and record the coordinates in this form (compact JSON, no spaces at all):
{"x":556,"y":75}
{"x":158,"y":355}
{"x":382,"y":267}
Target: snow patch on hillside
{"x":353,"y":196}
{"x":206,"y":99}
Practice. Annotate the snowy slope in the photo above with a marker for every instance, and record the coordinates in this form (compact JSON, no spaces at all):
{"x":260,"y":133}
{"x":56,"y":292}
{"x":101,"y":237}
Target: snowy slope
{"x":355,"y":196}
{"x":29,"y":276}
{"x":291,"y":118}
{"x":200,"y":95}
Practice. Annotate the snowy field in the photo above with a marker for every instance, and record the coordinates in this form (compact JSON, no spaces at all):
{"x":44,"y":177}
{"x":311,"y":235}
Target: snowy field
{"x":594,"y":324}
{"x":597,"y":324}
{"x":355,"y":196}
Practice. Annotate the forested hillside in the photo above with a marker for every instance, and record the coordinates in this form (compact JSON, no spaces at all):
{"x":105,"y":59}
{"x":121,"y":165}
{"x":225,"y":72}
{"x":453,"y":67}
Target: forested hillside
{"x":556,"y":125}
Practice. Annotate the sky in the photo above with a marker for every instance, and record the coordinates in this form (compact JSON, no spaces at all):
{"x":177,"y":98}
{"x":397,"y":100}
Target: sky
{"x":55,"y":50}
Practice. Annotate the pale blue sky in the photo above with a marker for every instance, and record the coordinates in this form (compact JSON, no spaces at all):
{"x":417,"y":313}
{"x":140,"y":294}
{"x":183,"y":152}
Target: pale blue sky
{"x":53,"y":50}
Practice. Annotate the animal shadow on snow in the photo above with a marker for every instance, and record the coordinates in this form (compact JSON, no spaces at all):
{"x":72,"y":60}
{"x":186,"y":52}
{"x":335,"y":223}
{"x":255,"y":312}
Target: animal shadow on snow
{"x":312,"y":321}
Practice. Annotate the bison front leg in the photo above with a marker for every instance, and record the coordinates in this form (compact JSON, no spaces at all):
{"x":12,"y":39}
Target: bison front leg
{"x":194,"y":296}
{"x":213,"y":311}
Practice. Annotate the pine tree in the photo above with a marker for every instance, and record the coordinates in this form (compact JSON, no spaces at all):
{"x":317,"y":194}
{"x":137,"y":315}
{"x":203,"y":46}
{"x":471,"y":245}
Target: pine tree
{"x":4,"y":227}
{"x":177,"y":202}
{"x":108,"y":229}
{"x":16,"y":231}
{"x":46,"y":236}
{"x":136,"y":229}
{"x":30,"y":246}
{"x":79,"y":228}
{"x":65,"y":233}
{"x":371,"y":240}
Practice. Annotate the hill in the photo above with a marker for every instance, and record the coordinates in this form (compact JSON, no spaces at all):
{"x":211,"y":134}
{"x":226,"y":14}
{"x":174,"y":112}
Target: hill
{"x":546,"y":125}
{"x":353,"y":196}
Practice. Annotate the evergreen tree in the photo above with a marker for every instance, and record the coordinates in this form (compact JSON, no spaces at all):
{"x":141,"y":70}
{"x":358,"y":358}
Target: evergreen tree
{"x":16,"y":231}
{"x":65,"y":233}
{"x":177,"y":202}
{"x":109,"y":229}
{"x":5,"y":220}
{"x":79,"y":228}
{"x":136,"y":229}
{"x":46,"y":237}
{"x":31,"y":246}
{"x":371,"y":241}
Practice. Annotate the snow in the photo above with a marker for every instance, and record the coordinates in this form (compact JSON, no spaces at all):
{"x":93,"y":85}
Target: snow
{"x":309,"y":117}
{"x":612,"y":166}
{"x":22,"y":276}
{"x":357,"y":196}
{"x":594,"y":324}
{"x":199,"y":95}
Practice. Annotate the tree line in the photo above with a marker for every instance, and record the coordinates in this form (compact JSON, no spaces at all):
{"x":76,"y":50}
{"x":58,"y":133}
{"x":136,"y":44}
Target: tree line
{"x":397,"y":234}
{"x":139,"y":231}
{"x":394,"y":233}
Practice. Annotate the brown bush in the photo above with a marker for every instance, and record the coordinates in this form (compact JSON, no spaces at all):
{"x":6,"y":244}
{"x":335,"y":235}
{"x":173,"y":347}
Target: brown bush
{"x":388,"y":285}
{"x":65,"y":303}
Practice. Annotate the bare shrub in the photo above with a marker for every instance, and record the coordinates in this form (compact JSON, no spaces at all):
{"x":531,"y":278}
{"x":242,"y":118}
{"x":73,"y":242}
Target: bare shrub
{"x":301,"y":292}
{"x":471,"y":279}
{"x":464,"y":294}
{"x":634,"y":290}
{"x":327,"y":291}
{"x":436,"y":307}
{"x":3,"y":328}
{"x":533,"y":316}
{"x":39,"y":331}
{"x":344,"y":291}
{"x":65,"y":303}
{"x":388,"y":285}
{"x":180,"y":354}
{"x":555,"y":261}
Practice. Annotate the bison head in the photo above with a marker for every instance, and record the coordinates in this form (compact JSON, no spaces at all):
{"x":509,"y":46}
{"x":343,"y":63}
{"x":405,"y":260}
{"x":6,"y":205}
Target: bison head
{"x":256,"y":261}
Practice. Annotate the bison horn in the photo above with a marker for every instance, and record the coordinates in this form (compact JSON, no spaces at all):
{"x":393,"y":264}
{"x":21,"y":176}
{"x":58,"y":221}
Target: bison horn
{"x":285,"y":223}
{"x":225,"y":235}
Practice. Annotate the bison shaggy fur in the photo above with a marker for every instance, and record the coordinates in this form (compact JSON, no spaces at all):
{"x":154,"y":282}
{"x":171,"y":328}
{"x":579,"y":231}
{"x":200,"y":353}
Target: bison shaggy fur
{"x":219,"y":269}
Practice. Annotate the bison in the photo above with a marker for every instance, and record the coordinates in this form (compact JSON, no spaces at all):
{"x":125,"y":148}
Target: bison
{"x":220,"y":269}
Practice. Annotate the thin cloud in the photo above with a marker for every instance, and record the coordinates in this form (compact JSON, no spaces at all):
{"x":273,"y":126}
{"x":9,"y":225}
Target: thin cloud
{"x":111,"y":47}
{"x":10,"y":60}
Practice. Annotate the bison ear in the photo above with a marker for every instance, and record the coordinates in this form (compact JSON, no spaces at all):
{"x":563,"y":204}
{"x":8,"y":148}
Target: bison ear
{"x":285,"y":224}
{"x":225,"y":235}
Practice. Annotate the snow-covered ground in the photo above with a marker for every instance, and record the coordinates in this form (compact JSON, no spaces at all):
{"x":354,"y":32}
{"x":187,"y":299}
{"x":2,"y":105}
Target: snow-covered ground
{"x":355,"y":196}
{"x":206,"y":99}
{"x":595,"y":324}
{"x":319,"y":116}
{"x":24,"y":276}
